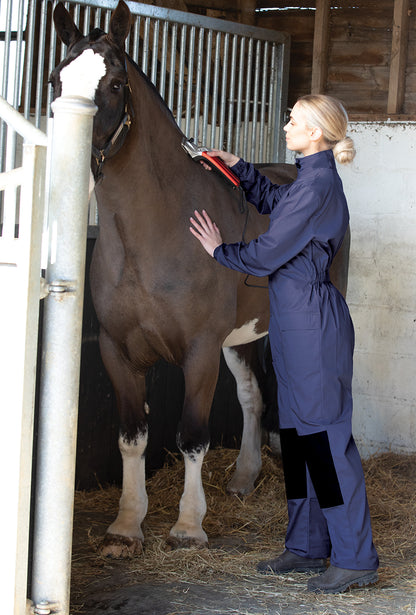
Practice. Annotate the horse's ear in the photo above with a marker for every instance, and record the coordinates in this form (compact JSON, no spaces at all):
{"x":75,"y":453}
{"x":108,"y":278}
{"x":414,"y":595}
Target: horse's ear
{"x":120,"y":24}
{"x":64,"y":26}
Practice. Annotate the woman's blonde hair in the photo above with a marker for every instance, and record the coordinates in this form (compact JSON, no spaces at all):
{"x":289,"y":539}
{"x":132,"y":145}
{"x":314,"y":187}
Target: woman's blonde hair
{"x":328,"y":114}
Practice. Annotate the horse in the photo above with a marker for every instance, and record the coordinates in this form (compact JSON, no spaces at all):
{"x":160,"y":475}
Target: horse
{"x":156,"y":292}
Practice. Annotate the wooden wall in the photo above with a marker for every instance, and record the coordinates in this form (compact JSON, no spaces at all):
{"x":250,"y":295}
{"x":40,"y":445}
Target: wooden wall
{"x":362,"y":51}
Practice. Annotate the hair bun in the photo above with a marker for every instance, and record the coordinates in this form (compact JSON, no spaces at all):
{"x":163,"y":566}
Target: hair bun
{"x":344,"y":150}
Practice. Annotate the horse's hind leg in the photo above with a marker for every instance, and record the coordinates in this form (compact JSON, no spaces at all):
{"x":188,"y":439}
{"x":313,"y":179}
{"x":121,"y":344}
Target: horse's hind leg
{"x":201,"y":374}
{"x":240,"y":361}
{"x":124,"y":537}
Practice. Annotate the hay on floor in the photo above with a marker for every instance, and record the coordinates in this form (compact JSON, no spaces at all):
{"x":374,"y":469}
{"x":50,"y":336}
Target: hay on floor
{"x":244,"y":531}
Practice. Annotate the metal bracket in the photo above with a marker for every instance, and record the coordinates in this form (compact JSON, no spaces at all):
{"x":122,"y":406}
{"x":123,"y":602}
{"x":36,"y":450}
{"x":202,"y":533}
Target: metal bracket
{"x":45,"y":608}
{"x":57,"y":287}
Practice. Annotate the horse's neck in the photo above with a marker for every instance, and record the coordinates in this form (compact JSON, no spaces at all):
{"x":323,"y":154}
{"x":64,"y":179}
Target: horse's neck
{"x":157,"y":133}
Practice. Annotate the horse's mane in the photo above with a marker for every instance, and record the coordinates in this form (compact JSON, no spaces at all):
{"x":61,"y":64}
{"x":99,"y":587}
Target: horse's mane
{"x":152,"y":87}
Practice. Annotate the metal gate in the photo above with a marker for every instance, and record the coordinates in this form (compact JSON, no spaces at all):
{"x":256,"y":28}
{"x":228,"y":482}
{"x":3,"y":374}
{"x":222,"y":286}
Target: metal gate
{"x":226,"y":83}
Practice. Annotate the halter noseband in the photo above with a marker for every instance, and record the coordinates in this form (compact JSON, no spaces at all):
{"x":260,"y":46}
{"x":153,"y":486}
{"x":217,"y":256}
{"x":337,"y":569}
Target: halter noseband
{"x":114,"y":144}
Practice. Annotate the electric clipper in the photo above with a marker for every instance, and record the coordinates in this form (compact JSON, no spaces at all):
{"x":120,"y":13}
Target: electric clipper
{"x":201,"y":153}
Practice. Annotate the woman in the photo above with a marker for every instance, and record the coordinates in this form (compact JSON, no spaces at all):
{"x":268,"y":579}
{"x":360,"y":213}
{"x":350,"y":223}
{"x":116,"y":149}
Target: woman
{"x":312,"y":341}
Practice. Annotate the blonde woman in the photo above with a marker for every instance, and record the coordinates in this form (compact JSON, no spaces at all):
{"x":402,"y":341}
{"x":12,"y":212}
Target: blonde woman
{"x":312,"y":341}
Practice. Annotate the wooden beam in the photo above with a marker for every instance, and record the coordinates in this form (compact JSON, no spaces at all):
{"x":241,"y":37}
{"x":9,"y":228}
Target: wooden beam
{"x":247,"y":12}
{"x":320,"y":47}
{"x":398,"y":56}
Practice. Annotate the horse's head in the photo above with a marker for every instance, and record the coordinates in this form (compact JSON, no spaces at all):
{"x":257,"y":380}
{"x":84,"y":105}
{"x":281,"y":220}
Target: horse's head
{"x":111,"y":93}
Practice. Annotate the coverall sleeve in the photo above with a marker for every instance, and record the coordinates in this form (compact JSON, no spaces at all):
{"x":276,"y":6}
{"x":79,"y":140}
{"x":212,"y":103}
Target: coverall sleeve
{"x":291,"y":229}
{"x":259,"y":189}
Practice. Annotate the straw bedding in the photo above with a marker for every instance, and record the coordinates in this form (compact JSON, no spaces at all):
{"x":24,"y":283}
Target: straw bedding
{"x":243,"y":531}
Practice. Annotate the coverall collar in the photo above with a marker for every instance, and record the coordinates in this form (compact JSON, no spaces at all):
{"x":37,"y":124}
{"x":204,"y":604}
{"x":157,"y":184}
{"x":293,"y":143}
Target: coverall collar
{"x":316,"y":161}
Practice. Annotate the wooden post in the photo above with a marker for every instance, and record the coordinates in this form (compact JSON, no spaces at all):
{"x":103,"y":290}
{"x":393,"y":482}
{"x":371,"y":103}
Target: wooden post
{"x":247,"y":12}
{"x":398,"y":56}
{"x":320,"y":47}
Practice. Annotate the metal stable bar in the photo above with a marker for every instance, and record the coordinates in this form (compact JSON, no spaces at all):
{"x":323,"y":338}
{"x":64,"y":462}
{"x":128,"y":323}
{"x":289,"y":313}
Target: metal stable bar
{"x":41,"y":59}
{"x":163,"y":62}
{"x":145,"y":52}
{"x":263,"y":103}
{"x":97,"y":18}
{"x":229,"y":145}
{"x":198,"y":84}
{"x":51,"y":66}
{"x":215,"y":80}
{"x":172,"y":66}
{"x":155,"y":49}
{"x":247,"y":99}
{"x":223,"y":92}
{"x":61,"y":350}
{"x":7,"y":40}
{"x":188,"y":110}
{"x":87,"y":14}
{"x":29,"y":58}
{"x":4,"y":86}
{"x":207,"y":88}
{"x":107,"y":17}
{"x":181,"y":79}
{"x":253,"y":151}
{"x":239,"y":100}
{"x":136,"y":39}
{"x":272,"y":89}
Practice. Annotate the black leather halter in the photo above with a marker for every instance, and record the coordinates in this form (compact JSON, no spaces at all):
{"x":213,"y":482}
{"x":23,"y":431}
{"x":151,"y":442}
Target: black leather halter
{"x":115,"y":143}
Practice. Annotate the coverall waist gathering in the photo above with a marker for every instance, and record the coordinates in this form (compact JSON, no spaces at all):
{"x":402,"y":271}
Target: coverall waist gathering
{"x":312,"y":341}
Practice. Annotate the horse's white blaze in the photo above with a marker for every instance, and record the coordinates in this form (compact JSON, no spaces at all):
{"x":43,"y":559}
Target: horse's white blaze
{"x":133,"y":501}
{"x":245,"y":334}
{"x":249,"y":395}
{"x":192,"y":507}
{"x":82,"y":76}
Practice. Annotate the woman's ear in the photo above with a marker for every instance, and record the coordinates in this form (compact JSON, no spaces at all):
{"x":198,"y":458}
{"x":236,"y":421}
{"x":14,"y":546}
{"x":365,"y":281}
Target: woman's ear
{"x":316,"y":133}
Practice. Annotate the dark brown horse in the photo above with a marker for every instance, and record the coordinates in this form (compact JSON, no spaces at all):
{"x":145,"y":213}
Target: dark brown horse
{"x":155,"y":290}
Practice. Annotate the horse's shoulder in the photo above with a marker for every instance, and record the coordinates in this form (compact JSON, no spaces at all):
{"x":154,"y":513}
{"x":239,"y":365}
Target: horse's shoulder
{"x":278,"y":172}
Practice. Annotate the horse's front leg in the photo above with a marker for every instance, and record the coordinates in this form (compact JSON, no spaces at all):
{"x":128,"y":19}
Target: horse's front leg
{"x":201,"y":375}
{"x":242,"y":362}
{"x":124,"y":537}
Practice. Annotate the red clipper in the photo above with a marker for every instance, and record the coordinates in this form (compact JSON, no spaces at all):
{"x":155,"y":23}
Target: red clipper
{"x":201,"y":153}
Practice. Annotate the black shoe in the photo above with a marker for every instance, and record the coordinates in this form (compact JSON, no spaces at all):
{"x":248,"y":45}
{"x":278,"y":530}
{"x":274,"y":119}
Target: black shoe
{"x":290,"y":562}
{"x":336,"y":580}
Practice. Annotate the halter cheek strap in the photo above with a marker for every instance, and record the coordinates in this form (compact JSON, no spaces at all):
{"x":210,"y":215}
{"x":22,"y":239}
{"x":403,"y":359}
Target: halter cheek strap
{"x":117,"y":140}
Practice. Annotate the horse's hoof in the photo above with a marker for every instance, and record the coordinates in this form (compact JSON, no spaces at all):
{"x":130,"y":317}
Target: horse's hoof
{"x":239,"y":488}
{"x":121,"y":547}
{"x":185,"y":543}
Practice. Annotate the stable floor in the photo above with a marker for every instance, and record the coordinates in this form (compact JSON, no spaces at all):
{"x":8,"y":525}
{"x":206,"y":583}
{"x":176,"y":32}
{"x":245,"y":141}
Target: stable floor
{"x":222,"y":579}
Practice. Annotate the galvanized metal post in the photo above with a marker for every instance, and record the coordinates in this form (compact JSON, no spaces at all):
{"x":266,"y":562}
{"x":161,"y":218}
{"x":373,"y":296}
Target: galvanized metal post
{"x":61,"y":350}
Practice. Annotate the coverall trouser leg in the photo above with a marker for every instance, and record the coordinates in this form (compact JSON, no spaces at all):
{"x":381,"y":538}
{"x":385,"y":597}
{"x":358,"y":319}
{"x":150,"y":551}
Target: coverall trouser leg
{"x":324,"y":478}
{"x":327,"y":503}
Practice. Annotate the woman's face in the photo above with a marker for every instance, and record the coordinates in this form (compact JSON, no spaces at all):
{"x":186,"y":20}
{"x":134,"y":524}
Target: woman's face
{"x":299,"y":137}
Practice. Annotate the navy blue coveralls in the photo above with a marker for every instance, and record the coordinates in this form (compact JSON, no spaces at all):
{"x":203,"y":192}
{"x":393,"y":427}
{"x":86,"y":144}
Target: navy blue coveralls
{"x":312,"y":341}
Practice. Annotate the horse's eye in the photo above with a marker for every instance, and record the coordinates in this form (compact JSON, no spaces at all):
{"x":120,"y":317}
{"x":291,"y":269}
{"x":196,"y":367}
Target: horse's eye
{"x":116,"y":86}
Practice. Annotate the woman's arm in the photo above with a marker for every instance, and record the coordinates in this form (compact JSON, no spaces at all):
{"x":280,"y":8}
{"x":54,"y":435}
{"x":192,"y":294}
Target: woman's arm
{"x":259,"y":190}
{"x":288,"y":234}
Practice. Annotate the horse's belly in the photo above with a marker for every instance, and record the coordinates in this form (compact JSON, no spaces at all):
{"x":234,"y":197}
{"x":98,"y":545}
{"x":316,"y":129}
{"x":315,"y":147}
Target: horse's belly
{"x":244,"y":335}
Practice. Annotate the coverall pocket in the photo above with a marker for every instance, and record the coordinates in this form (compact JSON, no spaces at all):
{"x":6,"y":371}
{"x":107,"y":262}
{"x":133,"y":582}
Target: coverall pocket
{"x":301,"y":349}
{"x":289,"y":321}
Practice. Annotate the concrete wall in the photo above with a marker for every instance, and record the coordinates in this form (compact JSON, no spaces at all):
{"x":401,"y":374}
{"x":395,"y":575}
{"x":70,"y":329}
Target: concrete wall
{"x":381,"y":190}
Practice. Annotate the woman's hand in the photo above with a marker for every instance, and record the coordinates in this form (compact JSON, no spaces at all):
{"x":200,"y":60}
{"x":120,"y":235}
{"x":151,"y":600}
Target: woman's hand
{"x":206,"y":231}
{"x":229,"y":159}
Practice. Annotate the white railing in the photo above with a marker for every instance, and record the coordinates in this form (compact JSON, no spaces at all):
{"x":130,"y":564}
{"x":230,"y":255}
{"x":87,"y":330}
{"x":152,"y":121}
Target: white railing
{"x":22,"y":197}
